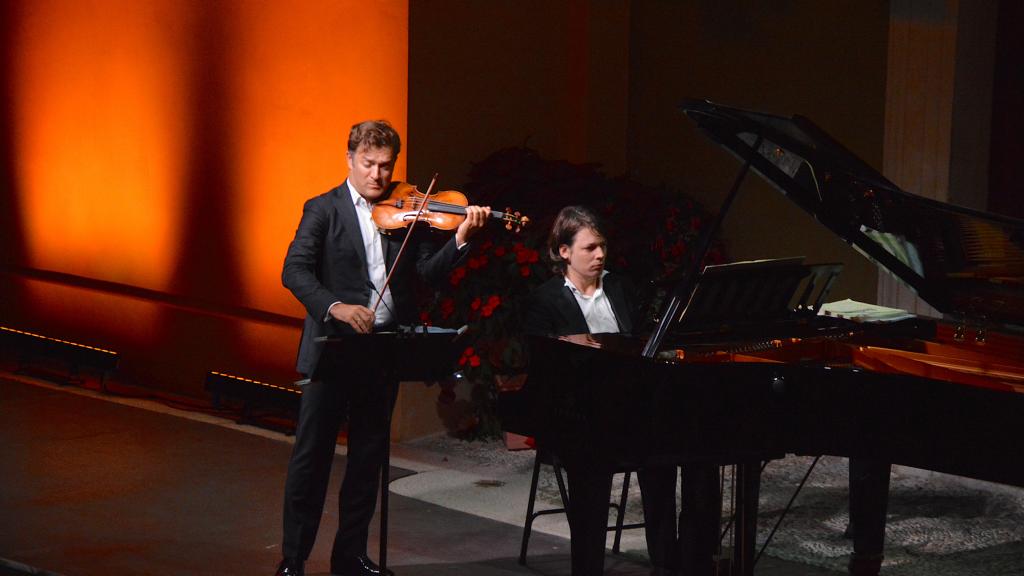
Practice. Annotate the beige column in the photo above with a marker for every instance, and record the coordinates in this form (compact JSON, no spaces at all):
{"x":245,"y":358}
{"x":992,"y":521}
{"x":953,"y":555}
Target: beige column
{"x":938,"y":109}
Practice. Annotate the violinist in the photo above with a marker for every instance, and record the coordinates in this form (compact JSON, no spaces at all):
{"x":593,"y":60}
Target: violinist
{"x":337,"y":266}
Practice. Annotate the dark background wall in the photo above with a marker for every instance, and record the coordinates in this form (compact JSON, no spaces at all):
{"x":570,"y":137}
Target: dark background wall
{"x":601,"y":82}
{"x":1006,"y":189}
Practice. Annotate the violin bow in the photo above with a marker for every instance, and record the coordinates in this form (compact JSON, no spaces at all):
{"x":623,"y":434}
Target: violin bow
{"x":387,"y":281}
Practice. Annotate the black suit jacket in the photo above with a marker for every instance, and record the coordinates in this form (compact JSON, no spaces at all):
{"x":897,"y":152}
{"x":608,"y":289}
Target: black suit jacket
{"x":326,"y":263}
{"x":552,"y":310}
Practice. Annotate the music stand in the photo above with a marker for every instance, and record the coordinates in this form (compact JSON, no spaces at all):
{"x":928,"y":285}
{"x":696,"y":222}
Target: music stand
{"x":422,"y":353}
{"x":759,"y":291}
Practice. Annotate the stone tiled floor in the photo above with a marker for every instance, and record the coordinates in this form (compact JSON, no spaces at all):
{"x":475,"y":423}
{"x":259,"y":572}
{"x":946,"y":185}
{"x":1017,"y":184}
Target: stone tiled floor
{"x":91,"y":486}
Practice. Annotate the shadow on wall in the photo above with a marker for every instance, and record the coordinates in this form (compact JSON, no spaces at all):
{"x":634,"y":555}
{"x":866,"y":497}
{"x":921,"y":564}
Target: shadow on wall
{"x":12,"y":249}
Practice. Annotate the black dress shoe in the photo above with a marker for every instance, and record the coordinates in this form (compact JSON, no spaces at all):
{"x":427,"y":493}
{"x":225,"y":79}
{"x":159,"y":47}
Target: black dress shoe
{"x":289,"y":567}
{"x":359,"y":566}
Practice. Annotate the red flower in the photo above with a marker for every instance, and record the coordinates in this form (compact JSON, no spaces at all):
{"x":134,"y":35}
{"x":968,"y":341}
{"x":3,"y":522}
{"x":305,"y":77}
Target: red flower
{"x":499,"y":251}
{"x":524,"y":271}
{"x":457,"y":275}
{"x":469,"y":356}
{"x":447,"y":307}
{"x":425,"y":317}
{"x":493,"y":302}
{"x":475,"y":304}
{"x":475,"y":263}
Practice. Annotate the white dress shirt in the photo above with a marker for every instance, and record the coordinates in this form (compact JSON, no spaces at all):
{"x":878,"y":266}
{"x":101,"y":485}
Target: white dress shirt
{"x":374,"y":260}
{"x":596,"y":308}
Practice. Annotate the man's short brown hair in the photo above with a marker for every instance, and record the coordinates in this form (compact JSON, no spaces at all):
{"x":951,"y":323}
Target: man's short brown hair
{"x":374,"y":134}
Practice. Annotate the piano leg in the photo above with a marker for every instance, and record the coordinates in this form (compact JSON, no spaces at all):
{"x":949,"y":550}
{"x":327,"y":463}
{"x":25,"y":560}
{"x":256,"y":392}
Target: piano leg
{"x":748,"y":489}
{"x":700,"y":518}
{"x":589,"y":487}
{"x":869,"y":499}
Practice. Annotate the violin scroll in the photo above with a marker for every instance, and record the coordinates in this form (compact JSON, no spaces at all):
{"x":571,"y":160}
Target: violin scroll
{"x":514,"y":221}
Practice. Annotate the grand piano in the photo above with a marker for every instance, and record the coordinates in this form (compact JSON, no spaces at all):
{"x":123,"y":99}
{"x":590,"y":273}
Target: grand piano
{"x":742,"y":367}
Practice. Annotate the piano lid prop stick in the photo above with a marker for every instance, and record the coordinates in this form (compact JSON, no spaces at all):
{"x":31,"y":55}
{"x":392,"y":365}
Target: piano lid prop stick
{"x":686,"y":285}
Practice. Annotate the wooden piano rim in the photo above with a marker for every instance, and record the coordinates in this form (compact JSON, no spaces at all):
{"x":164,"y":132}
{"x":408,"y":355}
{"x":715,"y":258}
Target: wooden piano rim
{"x":959,"y":369}
{"x":960,"y":363}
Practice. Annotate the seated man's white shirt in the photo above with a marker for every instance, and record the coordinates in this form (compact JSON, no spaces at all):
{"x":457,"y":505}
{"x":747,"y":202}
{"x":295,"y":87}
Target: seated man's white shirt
{"x":596,"y":308}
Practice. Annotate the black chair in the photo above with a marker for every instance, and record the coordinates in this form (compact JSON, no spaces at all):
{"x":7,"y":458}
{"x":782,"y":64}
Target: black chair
{"x":546,"y":458}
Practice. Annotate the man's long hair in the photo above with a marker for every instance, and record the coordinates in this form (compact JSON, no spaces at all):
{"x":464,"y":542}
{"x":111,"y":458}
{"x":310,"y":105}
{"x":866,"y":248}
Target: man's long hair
{"x":569,"y":221}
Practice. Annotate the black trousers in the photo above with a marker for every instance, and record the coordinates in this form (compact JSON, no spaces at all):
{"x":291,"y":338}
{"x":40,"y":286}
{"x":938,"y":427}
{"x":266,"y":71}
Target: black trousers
{"x":658,"y":494}
{"x":589,"y":489}
{"x":364,"y":399}
{"x":692,"y":550}
{"x":690,"y":544}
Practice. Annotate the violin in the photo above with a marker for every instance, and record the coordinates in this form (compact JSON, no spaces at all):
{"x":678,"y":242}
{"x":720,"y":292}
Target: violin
{"x":444,"y":210}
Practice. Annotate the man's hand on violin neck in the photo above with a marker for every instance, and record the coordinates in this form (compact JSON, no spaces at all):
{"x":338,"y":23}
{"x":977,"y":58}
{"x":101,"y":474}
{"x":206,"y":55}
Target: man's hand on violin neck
{"x":360,"y":318}
{"x":476,"y":218}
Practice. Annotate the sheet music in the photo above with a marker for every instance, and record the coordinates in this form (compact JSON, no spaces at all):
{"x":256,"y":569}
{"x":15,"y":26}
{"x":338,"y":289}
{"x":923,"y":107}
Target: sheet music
{"x":862,"y":311}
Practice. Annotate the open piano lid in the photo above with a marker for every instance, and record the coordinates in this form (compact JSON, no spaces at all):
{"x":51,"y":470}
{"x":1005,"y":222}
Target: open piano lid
{"x":966,"y":263}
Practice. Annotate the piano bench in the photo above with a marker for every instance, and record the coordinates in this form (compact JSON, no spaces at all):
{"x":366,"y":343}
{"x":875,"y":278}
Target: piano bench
{"x":544,"y":457}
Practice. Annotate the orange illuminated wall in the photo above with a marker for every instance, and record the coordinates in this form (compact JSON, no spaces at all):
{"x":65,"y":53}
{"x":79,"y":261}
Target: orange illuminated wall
{"x":99,"y":139}
{"x":156,"y":143}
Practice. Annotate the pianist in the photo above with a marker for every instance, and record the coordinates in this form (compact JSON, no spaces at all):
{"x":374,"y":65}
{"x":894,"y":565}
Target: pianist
{"x":584,"y":298}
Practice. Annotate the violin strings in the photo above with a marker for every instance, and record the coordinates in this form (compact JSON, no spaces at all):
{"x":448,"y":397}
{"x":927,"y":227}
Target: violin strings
{"x":416,"y":201}
{"x":415,"y":205}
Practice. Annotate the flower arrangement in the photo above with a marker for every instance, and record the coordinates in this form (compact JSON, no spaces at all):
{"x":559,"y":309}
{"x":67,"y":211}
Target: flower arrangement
{"x":486,"y":293}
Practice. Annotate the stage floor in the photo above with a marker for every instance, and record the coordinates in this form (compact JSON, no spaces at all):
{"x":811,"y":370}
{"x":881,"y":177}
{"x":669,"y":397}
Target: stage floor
{"x":94,"y":485}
